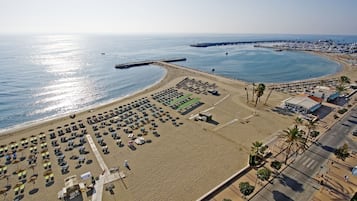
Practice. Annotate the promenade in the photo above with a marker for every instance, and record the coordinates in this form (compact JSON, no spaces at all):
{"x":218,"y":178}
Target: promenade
{"x":301,"y":178}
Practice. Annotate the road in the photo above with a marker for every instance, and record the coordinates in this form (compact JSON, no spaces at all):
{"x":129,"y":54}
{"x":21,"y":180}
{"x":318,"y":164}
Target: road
{"x":296,"y":181}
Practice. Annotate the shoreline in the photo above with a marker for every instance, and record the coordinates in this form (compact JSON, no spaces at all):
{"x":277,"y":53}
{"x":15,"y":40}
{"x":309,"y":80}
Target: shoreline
{"x":344,"y":68}
{"x":194,"y":151}
{"x":38,"y":122}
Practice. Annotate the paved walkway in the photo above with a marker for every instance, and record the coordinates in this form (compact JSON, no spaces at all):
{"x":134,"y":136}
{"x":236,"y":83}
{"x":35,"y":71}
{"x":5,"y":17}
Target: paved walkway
{"x":104,"y":178}
{"x":224,"y":98}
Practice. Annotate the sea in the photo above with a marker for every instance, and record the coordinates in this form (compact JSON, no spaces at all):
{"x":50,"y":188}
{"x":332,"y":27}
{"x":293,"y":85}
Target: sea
{"x":46,"y":76}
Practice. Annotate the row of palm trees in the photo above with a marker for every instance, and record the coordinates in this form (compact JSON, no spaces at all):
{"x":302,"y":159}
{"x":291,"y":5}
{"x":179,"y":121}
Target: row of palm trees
{"x":257,"y":92}
{"x":295,"y":138}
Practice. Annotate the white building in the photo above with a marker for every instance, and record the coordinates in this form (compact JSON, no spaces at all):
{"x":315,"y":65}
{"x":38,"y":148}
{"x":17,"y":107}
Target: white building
{"x":302,"y":103}
{"x":325,"y":93}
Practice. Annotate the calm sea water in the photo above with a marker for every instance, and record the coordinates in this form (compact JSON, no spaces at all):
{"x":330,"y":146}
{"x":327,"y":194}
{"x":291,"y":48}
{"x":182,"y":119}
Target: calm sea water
{"x":43,"y":76}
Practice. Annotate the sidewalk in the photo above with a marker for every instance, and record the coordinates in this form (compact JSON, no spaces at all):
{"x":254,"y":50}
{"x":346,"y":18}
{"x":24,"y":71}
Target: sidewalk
{"x":335,"y":188}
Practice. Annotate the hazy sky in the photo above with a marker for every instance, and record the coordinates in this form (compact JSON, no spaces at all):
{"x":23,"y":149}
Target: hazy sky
{"x":179,"y":16}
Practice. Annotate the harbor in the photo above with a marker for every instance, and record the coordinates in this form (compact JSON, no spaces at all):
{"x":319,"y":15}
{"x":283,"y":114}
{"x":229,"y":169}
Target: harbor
{"x":147,"y":62}
{"x":238,"y":43}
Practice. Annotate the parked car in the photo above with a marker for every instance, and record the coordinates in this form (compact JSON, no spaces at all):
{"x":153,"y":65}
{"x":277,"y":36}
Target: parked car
{"x":354,"y":133}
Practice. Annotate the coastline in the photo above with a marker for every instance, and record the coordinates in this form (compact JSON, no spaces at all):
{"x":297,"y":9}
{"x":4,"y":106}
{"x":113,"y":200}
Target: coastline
{"x":193,"y":152}
{"x":37,"y":122}
{"x":344,"y":69}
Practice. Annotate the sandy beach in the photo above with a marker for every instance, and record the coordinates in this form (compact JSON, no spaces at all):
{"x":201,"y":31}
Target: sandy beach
{"x":183,"y":162}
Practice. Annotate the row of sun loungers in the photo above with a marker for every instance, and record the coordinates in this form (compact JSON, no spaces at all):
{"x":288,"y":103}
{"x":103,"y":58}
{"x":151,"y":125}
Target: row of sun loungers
{"x":195,"y":86}
{"x":299,"y":87}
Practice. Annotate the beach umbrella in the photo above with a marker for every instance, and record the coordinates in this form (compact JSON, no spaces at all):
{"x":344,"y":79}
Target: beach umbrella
{"x":32,"y":180}
{"x":16,"y":162}
{"x":47,"y":172}
{"x":19,"y":170}
{"x":5,"y":176}
{"x":32,"y":166}
{"x":3,"y":191}
{"x":354,"y":171}
{"x":20,"y":150}
{"x":17,"y":185}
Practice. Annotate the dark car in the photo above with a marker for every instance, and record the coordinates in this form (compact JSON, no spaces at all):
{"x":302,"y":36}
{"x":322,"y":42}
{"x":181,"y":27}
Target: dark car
{"x":354,"y":133}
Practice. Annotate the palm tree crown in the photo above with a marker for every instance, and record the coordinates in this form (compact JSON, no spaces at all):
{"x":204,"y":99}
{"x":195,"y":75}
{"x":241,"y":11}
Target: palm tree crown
{"x":294,"y":140}
{"x":260,"y":91}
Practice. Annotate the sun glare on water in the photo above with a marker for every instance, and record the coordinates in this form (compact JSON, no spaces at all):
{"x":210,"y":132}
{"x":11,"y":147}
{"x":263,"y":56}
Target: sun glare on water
{"x":60,"y":58}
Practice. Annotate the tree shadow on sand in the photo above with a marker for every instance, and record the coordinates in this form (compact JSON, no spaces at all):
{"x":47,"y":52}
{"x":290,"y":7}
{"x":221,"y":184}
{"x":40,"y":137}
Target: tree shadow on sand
{"x":278,"y":196}
{"x":290,"y":182}
{"x":282,"y":111}
{"x":328,"y":148}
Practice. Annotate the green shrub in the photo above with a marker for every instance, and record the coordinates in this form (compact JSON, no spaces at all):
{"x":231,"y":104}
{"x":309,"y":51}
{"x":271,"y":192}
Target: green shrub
{"x":276,"y":164}
{"x":245,"y":188}
{"x":314,"y":133}
{"x":354,"y":198}
{"x":342,"y":152}
{"x":264,"y":174}
{"x":341,"y":111}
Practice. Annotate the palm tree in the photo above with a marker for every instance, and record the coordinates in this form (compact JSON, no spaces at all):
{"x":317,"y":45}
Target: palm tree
{"x":311,"y":125}
{"x":293,"y":139}
{"x":256,"y":146}
{"x":260,"y":91}
{"x":341,"y":88}
{"x":298,"y":121}
{"x":253,"y":90}
{"x":246,"y":91}
{"x":257,"y":151}
{"x":345,"y":80}
{"x":271,"y":90}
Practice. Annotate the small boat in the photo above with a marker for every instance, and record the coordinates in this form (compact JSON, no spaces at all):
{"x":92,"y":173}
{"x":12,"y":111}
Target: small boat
{"x":226,"y":53}
{"x":103,"y":53}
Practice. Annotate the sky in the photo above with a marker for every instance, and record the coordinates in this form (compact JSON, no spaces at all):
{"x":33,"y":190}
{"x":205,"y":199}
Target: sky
{"x":179,"y":16}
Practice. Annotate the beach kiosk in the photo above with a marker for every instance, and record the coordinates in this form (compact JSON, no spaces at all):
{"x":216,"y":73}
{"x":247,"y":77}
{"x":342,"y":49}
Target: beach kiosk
{"x":73,"y":190}
{"x":205,"y":116}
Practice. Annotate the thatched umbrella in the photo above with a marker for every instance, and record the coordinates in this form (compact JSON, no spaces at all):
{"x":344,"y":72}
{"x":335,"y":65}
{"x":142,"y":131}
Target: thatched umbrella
{"x":47,"y":172}
{"x":19,"y":170}
{"x":16,"y":162}
{"x":3,"y":191}
{"x":32,"y":180}
{"x":32,"y":166}
{"x":17,"y":186}
{"x":5,"y":176}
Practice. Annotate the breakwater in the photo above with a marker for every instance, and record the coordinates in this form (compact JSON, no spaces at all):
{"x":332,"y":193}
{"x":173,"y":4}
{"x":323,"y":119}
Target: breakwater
{"x":147,"y":62}
{"x":241,"y":43}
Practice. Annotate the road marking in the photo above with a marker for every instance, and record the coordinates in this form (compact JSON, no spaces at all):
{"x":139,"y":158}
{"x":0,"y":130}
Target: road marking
{"x":308,"y":165}
{"x":304,"y":163}
{"x":218,"y":102}
{"x":313,"y":166}
{"x":226,"y":124}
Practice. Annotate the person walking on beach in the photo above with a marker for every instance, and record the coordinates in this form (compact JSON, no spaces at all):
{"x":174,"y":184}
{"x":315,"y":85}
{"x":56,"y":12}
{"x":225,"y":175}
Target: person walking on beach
{"x":126,"y":164}
{"x":346,"y":178}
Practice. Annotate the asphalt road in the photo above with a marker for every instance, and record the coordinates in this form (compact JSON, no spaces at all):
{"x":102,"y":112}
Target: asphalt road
{"x":296,"y":181}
